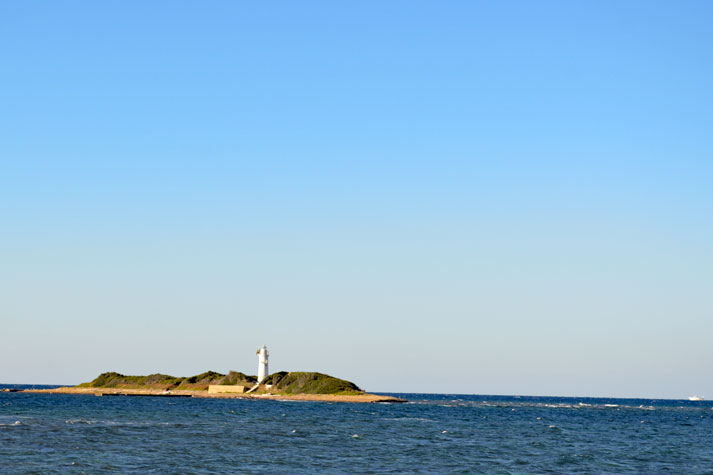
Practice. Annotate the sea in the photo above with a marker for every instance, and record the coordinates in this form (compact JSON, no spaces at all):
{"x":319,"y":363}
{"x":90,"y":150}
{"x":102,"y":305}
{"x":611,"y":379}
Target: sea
{"x":431,"y":433}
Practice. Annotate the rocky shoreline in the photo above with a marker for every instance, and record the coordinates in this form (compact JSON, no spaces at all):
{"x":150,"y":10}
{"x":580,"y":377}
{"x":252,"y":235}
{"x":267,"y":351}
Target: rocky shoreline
{"x":356,"y":398}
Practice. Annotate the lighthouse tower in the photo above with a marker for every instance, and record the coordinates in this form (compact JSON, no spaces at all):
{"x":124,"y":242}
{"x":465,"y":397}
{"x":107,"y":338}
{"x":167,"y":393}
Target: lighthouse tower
{"x":262,"y":355}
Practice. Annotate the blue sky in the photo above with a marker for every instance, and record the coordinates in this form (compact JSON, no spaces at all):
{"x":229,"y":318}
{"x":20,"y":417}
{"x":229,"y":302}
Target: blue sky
{"x":472,"y":197}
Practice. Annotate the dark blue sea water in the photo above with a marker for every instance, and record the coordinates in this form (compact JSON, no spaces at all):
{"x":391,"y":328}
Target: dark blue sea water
{"x":45,"y":433}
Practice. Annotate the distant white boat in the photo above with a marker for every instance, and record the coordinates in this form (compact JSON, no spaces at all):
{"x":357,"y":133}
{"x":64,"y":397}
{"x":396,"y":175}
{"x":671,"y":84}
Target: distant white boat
{"x":696,"y":398}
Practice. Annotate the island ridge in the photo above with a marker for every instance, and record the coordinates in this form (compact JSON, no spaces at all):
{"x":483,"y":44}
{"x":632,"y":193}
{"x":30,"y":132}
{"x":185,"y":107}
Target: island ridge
{"x":306,"y":386}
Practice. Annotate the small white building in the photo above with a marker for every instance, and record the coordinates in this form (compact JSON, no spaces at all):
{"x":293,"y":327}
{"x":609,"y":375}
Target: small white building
{"x":262,"y":370}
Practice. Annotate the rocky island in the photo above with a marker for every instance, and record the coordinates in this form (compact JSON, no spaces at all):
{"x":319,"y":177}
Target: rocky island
{"x":304,"y":386}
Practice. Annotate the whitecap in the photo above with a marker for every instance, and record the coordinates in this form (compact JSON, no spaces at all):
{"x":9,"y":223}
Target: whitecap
{"x":399,"y":419}
{"x":79,"y":421}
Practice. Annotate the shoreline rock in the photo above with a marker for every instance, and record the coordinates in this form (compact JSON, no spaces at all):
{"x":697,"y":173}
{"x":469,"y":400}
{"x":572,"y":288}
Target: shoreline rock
{"x":356,"y":398}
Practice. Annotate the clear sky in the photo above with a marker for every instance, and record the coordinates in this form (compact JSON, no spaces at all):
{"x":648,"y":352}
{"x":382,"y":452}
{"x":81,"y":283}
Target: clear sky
{"x":466,"y":197}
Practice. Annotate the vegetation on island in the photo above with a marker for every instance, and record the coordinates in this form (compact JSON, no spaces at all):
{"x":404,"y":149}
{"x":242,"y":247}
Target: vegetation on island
{"x":279,"y":383}
{"x":198,"y":382}
{"x":310,"y":383}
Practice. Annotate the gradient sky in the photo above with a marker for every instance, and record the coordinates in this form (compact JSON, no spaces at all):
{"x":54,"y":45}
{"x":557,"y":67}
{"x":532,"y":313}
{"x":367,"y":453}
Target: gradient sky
{"x":463,"y":197}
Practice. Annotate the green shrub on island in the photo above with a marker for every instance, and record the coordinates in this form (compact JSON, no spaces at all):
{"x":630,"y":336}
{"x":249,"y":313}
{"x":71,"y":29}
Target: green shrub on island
{"x":113,"y":380}
{"x":207,"y":377}
{"x":301,"y":382}
{"x":164,"y":381}
{"x":235,"y":377}
{"x":275,"y":378}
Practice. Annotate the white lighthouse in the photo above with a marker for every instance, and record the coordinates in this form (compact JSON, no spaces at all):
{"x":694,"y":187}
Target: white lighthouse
{"x":262,"y":372}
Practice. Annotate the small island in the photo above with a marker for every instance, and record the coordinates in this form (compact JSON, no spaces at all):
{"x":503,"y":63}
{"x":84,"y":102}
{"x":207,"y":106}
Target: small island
{"x":300,"y":385}
{"x":303,"y":386}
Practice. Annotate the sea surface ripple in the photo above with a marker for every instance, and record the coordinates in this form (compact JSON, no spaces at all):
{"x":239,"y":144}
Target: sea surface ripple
{"x":432,"y":433}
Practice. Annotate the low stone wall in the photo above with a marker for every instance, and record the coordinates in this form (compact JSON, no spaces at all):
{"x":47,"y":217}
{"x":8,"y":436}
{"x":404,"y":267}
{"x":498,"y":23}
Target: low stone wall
{"x":222,"y":388}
